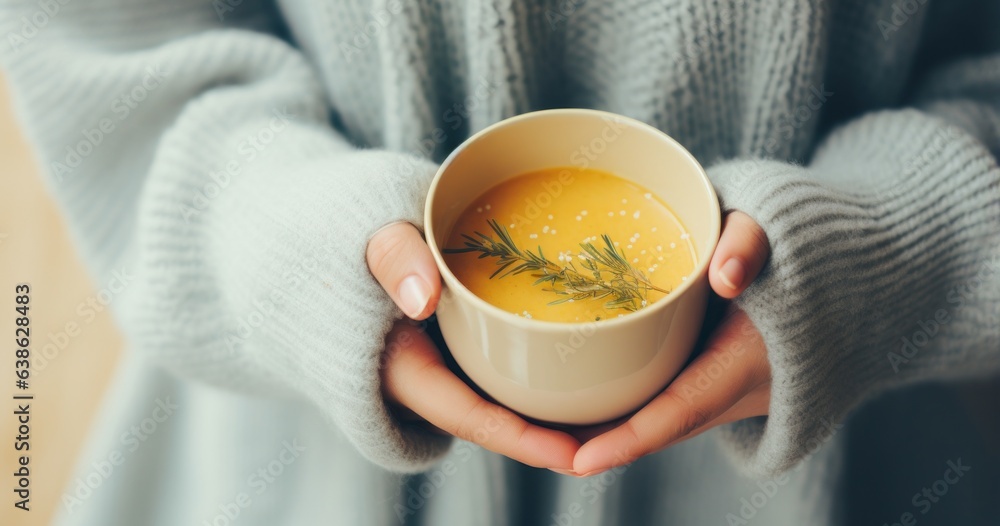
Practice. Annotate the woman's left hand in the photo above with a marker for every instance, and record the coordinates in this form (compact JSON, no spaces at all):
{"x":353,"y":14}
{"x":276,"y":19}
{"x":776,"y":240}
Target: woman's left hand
{"x":729,"y":381}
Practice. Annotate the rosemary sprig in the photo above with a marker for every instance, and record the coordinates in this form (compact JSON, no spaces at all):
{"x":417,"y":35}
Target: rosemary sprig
{"x":605,"y":272}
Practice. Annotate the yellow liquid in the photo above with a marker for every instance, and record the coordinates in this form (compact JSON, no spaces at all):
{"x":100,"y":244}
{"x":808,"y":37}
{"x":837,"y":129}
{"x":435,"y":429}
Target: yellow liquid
{"x":557,"y":209}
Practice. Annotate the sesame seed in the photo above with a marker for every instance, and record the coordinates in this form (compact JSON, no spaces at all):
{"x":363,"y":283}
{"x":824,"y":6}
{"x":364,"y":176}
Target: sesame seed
{"x":630,"y":246}
{"x":647,"y":195}
{"x":550,"y":216}
{"x":545,"y":229}
{"x":673,"y":245}
{"x":533,"y":236}
{"x":653,"y":229}
{"x":624,"y":201}
{"x":637,"y":235}
{"x":616,"y":243}
{"x":512,"y":225}
{"x":487,"y":207}
{"x":610,"y":214}
{"x":685,"y":235}
{"x":659,"y":248}
{"x":651,"y":269}
{"x":479,"y":209}
{"x":635,"y":215}
{"x":578,"y":218}
{"x":643,"y":252}
{"x":583,"y":212}
{"x":553,"y":231}
{"x":635,"y":260}
{"x":685,"y":278}
{"x":621,"y":212}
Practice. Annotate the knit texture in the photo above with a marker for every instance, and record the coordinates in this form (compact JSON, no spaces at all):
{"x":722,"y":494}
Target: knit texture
{"x":236,"y":160}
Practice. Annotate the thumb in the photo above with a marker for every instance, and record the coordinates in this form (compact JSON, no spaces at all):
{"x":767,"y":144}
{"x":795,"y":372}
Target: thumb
{"x":401,"y":262}
{"x":743,"y":249}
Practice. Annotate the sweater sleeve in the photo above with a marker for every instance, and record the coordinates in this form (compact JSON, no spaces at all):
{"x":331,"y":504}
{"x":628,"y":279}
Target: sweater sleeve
{"x":885,"y":265}
{"x":193,"y":156}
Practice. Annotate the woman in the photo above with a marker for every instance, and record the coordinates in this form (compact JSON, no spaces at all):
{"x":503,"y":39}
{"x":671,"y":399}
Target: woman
{"x":249,"y":163}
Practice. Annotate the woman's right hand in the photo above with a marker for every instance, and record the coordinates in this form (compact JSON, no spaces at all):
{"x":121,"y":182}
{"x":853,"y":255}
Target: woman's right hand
{"x":415,"y":380}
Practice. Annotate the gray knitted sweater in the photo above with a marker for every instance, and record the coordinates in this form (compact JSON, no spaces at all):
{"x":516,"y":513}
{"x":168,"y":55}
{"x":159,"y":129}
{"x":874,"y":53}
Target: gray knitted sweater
{"x":232,"y":158}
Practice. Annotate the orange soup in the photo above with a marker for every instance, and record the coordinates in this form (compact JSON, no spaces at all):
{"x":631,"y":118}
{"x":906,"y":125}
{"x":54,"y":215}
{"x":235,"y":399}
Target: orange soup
{"x":569,"y":245}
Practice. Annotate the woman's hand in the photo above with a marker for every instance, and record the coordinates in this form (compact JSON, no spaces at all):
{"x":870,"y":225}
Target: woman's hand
{"x":729,"y":381}
{"x":418,"y":385}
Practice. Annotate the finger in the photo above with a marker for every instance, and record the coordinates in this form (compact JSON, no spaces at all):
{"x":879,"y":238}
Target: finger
{"x":755,"y":403}
{"x":406,"y":416}
{"x":401,"y":262}
{"x":584,"y":433}
{"x":716,"y":381}
{"x":417,"y":378}
{"x":743,"y":249}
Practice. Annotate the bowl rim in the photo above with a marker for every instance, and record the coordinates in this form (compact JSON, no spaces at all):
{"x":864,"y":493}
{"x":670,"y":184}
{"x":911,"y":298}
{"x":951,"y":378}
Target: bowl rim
{"x":458,"y":287}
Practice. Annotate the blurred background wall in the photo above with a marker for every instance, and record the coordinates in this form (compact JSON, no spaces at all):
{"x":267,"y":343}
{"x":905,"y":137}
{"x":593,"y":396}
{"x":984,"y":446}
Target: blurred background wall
{"x":35,"y":249}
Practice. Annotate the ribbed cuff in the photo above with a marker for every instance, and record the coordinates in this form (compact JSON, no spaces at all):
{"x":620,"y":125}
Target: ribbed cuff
{"x":336,"y":320}
{"x":858,"y":271}
{"x":277,"y":294}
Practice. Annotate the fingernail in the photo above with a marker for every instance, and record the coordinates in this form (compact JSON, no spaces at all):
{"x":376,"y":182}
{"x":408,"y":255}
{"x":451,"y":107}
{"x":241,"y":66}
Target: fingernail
{"x":413,"y":295}
{"x":732,"y":273}
{"x":564,"y":472}
{"x":595,"y":472}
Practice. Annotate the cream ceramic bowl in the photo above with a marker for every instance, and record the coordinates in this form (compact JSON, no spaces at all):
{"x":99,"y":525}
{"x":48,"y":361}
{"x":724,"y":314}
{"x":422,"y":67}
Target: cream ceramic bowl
{"x":573,"y":373}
